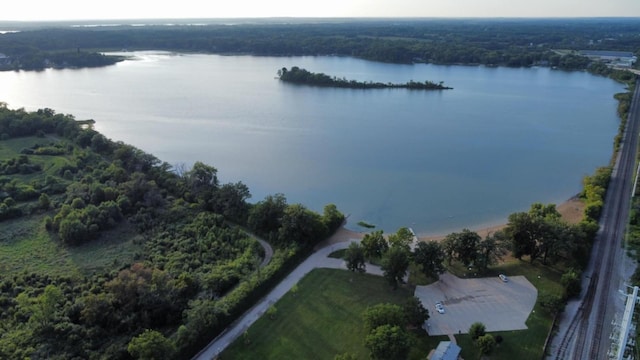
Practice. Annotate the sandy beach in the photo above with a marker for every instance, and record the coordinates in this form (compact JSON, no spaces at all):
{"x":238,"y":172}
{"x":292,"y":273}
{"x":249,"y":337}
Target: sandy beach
{"x":571,"y":211}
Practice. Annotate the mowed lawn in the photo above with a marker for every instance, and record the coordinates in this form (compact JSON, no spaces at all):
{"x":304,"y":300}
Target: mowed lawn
{"x":323,"y":318}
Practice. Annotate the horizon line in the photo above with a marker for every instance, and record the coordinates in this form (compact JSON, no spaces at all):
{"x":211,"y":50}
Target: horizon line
{"x":327,"y":18}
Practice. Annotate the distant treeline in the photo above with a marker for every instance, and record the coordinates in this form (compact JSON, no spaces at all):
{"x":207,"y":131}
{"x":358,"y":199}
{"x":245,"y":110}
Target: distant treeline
{"x":301,"y":76}
{"x":495,"y":42}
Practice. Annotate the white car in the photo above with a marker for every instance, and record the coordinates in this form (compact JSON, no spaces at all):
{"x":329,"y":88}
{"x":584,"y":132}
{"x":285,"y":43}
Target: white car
{"x":440,"y":307}
{"x":503,"y":277}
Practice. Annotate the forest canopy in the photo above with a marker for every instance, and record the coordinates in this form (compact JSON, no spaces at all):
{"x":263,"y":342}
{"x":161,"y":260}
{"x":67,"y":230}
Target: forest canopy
{"x":137,"y":252}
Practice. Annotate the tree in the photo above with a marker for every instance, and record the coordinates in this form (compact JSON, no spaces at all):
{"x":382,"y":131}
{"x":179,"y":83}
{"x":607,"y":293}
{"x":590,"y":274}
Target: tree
{"x":383,"y":314}
{"x":230,"y":200}
{"x":486,"y":343}
{"x":332,"y":218}
{"x":561,"y":238}
{"x":402,"y":238}
{"x":476,"y":330}
{"x":491,"y":249}
{"x":374,"y":245}
{"x":355,"y":257}
{"x":534,"y":233}
{"x":395,"y":265}
{"x":73,"y":231}
{"x":414,"y":312}
{"x":151,"y":345}
{"x":449,"y":245}
{"x":202,"y":175}
{"x":265,"y":217}
{"x":524,"y":232}
{"x":467,"y":246}
{"x":302,"y":226}
{"x":430,"y":257}
{"x":388,"y":342}
{"x":571,"y":282}
{"x":44,"y":308}
{"x":553,"y":303}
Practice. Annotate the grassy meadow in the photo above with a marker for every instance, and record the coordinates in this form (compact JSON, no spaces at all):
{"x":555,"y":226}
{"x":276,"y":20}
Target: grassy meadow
{"x":25,"y":244}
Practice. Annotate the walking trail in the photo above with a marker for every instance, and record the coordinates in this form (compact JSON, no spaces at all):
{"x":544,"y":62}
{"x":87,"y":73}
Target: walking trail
{"x":319,"y":259}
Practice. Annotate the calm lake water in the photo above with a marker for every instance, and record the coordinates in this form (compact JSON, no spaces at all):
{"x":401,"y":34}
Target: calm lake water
{"x":437,"y":161}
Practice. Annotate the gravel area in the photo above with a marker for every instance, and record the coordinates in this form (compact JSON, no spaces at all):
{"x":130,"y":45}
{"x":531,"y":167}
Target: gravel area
{"x":500,"y":306}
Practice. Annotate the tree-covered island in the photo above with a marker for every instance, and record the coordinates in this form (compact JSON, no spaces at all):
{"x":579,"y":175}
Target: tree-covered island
{"x":301,"y":76}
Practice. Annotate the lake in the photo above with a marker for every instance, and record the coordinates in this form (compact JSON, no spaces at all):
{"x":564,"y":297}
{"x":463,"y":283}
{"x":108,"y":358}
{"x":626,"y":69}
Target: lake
{"x":436,"y":161}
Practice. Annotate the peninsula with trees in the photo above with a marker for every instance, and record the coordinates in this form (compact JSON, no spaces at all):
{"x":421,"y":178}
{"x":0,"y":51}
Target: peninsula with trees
{"x":304,"y":77}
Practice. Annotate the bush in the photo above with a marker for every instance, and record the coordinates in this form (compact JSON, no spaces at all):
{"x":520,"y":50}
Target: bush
{"x":73,"y":232}
{"x":571,"y":282}
{"x":477,"y":330}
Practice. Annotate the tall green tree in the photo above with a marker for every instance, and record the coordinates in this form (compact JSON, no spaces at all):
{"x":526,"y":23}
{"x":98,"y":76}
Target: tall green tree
{"x":486,"y":343}
{"x":476,"y":330}
{"x":265,"y":217}
{"x":430,"y":257}
{"x":395,"y":265}
{"x":332,"y":217}
{"x":230,"y":200}
{"x":414,"y":312}
{"x":402,"y":238}
{"x":462,"y":246}
{"x":383,"y":314}
{"x":374,"y":245}
{"x":354,"y":257}
{"x":388,"y":342}
{"x":490,"y":250}
{"x":449,"y":246}
{"x":539,"y":233}
{"x":301,"y":226}
{"x":572,"y":283}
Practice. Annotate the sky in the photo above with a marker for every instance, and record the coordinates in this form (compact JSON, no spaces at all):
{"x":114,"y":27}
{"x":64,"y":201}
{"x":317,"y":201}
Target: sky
{"x":30,"y":10}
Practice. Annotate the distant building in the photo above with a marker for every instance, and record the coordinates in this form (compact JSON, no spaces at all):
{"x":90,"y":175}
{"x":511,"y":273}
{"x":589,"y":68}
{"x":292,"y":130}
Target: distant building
{"x":446,"y":350}
{"x":612,"y":58}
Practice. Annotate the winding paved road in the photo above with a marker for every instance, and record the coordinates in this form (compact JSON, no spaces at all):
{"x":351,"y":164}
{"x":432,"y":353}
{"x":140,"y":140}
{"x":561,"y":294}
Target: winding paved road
{"x":319,"y":259}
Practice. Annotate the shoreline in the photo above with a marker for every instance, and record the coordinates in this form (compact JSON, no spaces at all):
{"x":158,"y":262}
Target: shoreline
{"x":571,"y":210}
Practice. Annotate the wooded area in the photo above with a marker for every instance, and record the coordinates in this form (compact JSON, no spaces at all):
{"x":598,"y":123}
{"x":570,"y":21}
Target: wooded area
{"x":195,"y":267}
{"x":493,"y":42}
{"x":304,"y":77}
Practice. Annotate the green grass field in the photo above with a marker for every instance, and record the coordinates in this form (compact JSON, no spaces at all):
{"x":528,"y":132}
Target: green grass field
{"x":323,"y":319}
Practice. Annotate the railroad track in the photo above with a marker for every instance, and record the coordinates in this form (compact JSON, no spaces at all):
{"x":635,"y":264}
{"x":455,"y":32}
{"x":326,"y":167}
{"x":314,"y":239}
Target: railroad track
{"x":574,"y":327}
{"x":588,"y":324}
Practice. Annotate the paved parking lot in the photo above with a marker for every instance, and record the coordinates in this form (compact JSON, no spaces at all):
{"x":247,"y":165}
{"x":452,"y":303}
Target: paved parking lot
{"x":499,"y":305}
